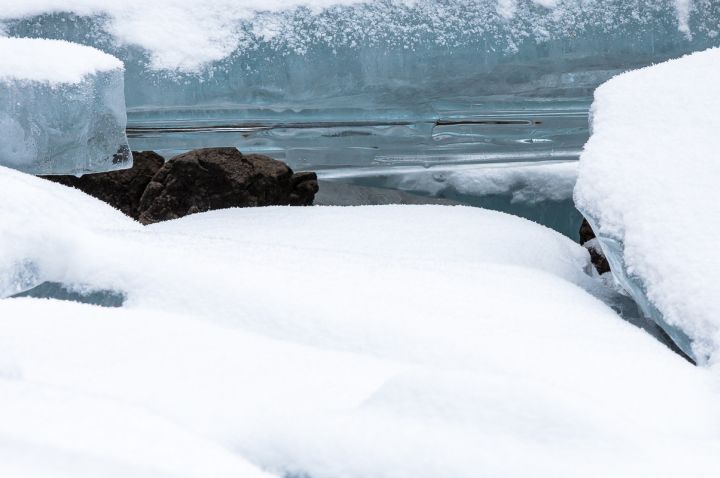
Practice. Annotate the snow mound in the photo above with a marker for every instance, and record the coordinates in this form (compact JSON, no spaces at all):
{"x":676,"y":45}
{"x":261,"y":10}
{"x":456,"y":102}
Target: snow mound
{"x":648,"y":180}
{"x":51,"y":61}
{"x":48,"y":431}
{"x":373,"y":341}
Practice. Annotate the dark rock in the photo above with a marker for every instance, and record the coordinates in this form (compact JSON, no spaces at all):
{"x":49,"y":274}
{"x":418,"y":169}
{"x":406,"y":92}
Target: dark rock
{"x":121,"y":189}
{"x":589,"y":240}
{"x":586,"y":232}
{"x":201,"y":180}
{"x":597,"y":256}
{"x":219,"y":178}
{"x":305,"y":187}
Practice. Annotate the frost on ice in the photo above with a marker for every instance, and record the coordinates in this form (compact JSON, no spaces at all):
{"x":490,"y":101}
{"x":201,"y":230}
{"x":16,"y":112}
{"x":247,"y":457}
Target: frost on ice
{"x":64,"y":111}
{"x":277,"y":51}
{"x":648,"y":182}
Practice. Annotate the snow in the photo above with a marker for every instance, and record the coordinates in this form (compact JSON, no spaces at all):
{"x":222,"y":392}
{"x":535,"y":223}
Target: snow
{"x":373,"y":341}
{"x":648,"y":177}
{"x":53,"y":61}
{"x":48,"y":431}
{"x":188,"y":34}
{"x":523,"y":182}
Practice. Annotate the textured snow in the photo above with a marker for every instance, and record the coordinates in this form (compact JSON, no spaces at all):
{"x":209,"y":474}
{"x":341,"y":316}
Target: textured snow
{"x":373,"y":341}
{"x":648,"y":177}
{"x":53,"y":61}
{"x":187,"y":34}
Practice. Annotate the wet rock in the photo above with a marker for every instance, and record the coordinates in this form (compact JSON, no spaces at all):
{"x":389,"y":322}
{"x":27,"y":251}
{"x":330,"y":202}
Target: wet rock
{"x":219,"y":178}
{"x":586,"y":232}
{"x":305,"y":187}
{"x":121,"y":189}
{"x":589,"y":240}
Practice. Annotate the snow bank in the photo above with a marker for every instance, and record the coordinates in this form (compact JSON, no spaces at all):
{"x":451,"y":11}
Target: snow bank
{"x":648,"y":180}
{"x":38,"y":215}
{"x":373,"y":341}
{"x":49,"y":431}
{"x":62,"y":108}
{"x":51,"y":61}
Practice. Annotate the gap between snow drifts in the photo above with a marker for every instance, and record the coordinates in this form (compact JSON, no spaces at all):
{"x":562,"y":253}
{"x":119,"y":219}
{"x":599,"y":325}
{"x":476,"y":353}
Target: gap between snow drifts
{"x":58,"y":291}
{"x":186,"y":36}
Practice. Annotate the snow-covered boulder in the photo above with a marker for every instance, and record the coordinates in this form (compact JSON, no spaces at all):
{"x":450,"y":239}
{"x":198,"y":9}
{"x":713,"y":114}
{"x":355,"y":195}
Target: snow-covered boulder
{"x":62,"y":108}
{"x":648,"y":182}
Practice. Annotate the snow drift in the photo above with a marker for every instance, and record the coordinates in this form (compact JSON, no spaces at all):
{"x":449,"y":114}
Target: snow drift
{"x":648,"y":179}
{"x":372,"y":341}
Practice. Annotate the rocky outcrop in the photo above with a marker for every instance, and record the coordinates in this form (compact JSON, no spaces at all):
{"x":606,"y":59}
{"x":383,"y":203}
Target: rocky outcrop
{"x":121,"y":189}
{"x":588,"y":239}
{"x":219,"y":178}
{"x":201,"y":180}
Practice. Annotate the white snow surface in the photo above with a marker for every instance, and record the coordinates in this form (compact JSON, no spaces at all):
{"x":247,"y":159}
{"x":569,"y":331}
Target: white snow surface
{"x":649,"y":177}
{"x":374,"y":341}
{"x":186,"y":35}
{"x":51,"y":61}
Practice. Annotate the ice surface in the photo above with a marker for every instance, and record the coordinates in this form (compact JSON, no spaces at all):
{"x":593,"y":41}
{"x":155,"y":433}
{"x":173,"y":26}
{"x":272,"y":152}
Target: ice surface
{"x":539,"y":191}
{"x":648,"y":181}
{"x":376,"y":341}
{"x":62,"y":108}
{"x":325,"y":83}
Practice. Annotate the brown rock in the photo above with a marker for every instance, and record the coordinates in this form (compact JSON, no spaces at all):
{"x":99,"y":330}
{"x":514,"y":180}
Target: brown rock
{"x":305,"y":187}
{"x":219,"y":178}
{"x":589,"y":240}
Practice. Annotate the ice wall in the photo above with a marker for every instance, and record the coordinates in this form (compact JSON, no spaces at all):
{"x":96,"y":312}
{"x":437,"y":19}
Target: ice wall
{"x":329,"y":83}
{"x":62,"y":108}
{"x":233,"y":53}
